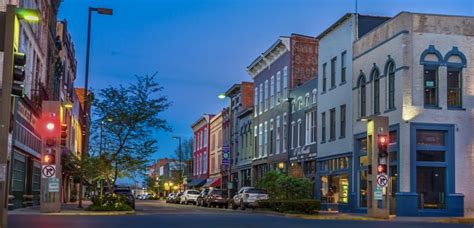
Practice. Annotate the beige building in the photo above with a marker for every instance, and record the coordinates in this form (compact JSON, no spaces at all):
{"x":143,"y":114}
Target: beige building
{"x":215,"y":152}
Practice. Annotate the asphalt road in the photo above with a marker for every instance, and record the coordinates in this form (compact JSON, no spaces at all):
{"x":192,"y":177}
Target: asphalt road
{"x":158,"y":214}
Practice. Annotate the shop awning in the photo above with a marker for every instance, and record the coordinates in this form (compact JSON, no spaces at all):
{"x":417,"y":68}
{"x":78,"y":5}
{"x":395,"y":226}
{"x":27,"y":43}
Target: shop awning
{"x":198,"y":182}
{"x":213,"y":182}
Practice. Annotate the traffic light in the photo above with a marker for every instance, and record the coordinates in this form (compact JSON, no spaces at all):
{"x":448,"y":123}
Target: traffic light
{"x":382,"y":143}
{"x":381,"y":168}
{"x":19,"y":62}
{"x":63,"y":134}
{"x":49,"y":159}
{"x":48,"y":126}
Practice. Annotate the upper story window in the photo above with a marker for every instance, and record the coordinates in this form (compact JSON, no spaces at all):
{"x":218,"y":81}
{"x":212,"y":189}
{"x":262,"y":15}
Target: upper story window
{"x":293,"y":106}
{"x":390,"y":72}
{"x":272,"y":91}
{"x":375,"y":75}
{"x":343,"y":67}
{"x":315,"y":95}
{"x":266,"y":95}
{"x":307,"y":102}
{"x":205,"y":137}
{"x":455,"y":61}
{"x":431,"y":59}
{"x":255,"y":102}
{"x":278,"y":88}
{"x":300,"y":103}
{"x":260,"y":98}
{"x":285,"y":82}
{"x":333,"y":72}
{"x":361,"y":83}
{"x":324,"y":77}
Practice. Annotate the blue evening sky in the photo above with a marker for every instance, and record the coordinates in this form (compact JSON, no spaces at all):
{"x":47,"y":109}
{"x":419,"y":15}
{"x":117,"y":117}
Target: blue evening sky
{"x":201,"y":47}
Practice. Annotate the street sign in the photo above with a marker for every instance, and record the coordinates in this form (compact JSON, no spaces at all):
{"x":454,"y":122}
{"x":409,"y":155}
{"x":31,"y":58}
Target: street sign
{"x":53,"y":185}
{"x":382,"y":180}
{"x":48,"y":171}
{"x":378,"y":194}
{"x":225,"y":155}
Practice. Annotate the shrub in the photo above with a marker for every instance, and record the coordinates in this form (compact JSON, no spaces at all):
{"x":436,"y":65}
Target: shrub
{"x":109,"y":202}
{"x":306,"y":206}
{"x":281,"y":186}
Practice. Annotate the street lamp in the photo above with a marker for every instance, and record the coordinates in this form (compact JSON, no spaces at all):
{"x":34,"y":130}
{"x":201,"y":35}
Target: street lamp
{"x":179,"y":157}
{"x":221,"y":96}
{"x":85,"y":141}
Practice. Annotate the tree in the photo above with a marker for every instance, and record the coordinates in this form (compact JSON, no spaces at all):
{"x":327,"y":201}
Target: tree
{"x":281,"y":186}
{"x":126,"y":119}
{"x":186,"y":150}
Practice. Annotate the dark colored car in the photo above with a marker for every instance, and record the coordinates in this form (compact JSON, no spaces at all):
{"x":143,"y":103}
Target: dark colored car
{"x":217,"y":197}
{"x":127,"y":193}
{"x":201,"y":197}
{"x":177,"y":198}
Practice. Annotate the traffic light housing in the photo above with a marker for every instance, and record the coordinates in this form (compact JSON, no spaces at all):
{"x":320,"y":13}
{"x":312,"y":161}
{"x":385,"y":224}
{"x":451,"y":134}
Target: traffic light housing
{"x":19,"y":62}
{"x":49,"y":159}
{"x":48,"y":126}
{"x":63,"y":134}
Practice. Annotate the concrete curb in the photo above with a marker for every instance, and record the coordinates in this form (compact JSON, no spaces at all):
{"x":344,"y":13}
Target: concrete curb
{"x":76,"y":213}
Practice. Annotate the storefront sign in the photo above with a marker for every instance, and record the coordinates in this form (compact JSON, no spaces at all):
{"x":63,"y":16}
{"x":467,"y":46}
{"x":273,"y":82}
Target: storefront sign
{"x":378,"y":193}
{"x":53,"y":185}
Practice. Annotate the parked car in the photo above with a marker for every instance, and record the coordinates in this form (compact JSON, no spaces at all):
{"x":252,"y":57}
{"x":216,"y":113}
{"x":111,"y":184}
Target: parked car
{"x":170,"y":198}
{"x":189,"y":196}
{"x":177,"y":198}
{"x":200,"y":199}
{"x":127,"y":193}
{"x":217,"y":197}
{"x":247,"y":197}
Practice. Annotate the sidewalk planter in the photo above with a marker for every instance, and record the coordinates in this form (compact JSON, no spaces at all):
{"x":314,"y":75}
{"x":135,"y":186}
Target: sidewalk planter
{"x":109,"y":203}
{"x":307,"y":206}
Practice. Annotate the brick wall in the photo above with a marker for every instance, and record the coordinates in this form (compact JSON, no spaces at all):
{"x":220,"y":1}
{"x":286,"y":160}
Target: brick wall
{"x":304,"y":59}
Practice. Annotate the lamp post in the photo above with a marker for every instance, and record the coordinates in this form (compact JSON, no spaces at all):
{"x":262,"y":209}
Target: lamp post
{"x":179,"y":157}
{"x":85,"y":142}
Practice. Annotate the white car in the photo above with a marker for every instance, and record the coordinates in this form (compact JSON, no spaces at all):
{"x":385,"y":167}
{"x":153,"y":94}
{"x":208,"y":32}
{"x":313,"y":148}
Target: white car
{"x":247,"y":197}
{"x":189,"y":196}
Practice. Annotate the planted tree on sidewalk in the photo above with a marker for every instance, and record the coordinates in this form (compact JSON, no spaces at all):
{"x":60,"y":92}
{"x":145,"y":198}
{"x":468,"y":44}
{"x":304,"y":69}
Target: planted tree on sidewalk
{"x":126,"y":119}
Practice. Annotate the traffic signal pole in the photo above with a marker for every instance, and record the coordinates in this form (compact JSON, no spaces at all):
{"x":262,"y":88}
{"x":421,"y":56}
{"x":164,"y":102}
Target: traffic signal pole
{"x":5,"y":108}
{"x":377,"y":182}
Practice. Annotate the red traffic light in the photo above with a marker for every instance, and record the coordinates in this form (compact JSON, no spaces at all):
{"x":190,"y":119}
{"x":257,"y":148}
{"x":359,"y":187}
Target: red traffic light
{"x":382,"y":142}
{"x":48,"y":125}
{"x":382,"y":168}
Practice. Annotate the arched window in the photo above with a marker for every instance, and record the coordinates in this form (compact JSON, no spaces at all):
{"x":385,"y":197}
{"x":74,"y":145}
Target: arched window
{"x":390,"y":72}
{"x":293,"y":106}
{"x":455,"y":61}
{"x":363,"y":103}
{"x":306,"y":100}
{"x":315,"y":92}
{"x":300,"y":103}
{"x":431,"y":59}
{"x":375,"y":75}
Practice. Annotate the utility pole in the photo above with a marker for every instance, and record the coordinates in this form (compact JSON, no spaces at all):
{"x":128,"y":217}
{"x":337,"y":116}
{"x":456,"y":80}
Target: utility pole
{"x":9,"y":20}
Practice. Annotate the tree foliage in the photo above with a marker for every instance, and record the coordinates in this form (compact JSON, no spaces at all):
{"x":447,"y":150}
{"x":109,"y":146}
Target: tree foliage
{"x":281,"y":186}
{"x":126,"y":118}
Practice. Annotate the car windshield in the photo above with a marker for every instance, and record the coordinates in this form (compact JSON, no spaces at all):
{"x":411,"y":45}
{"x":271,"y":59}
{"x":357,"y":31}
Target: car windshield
{"x":219,"y":192}
{"x":256,"y":191}
{"x":193,"y":192}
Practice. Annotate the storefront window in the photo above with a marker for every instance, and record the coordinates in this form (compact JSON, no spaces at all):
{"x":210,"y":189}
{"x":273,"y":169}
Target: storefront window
{"x":363,"y":188}
{"x":334,"y":189}
{"x":363,"y":161}
{"x":431,"y":156}
{"x":431,"y":184}
{"x":18,"y":174}
{"x":393,"y":137}
{"x":429,"y":138}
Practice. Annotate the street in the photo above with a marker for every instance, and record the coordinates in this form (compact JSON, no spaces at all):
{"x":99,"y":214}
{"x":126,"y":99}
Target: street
{"x":159,"y":214}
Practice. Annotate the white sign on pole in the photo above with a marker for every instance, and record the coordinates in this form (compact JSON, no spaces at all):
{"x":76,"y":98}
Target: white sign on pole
{"x":382,"y":180}
{"x":378,"y":194}
{"x":53,"y":185}
{"x":48,"y":171}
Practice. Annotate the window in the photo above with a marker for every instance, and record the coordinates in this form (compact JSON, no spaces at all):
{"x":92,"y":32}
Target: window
{"x":271,"y":137}
{"x":333,"y":72}
{"x":272,"y":91}
{"x":313,"y":127}
{"x":391,"y":85}
{"x":315,"y":92}
{"x":285,"y":82}
{"x":293,"y":106}
{"x":306,"y":100}
{"x":300,"y":103}
{"x":260,"y":110}
{"x":298,"y":134}
{"x":292,"y":143}
{"x":285,"y":134}
{"x":278,"y":132}
{"x":278,"y":88}
{"x":375,"y":76}
{"x":343,"y":121}
{"x":265,"y":140}
{"x":257,"y":143}
{"x":213,"y":142}
{"x":324,"y":77}
{"x":18,"y":173}
{"x":454,"y":88}
{"x":260,"y":140}
{"x":343,"y":67}
{"x":332,"y":124}
{"x":323,"y":127}
{"x":430,"y":82}
{"x":362,"y":103}
{"x":205,"y":137}
{"x":255,"y":102}
{"x":307,"y":129}
{"x":266,"y":95}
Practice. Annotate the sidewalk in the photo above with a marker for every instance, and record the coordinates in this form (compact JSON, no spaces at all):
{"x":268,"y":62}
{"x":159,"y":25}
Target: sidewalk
{"x":68,"y":209}
{"x":325,"y":215}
